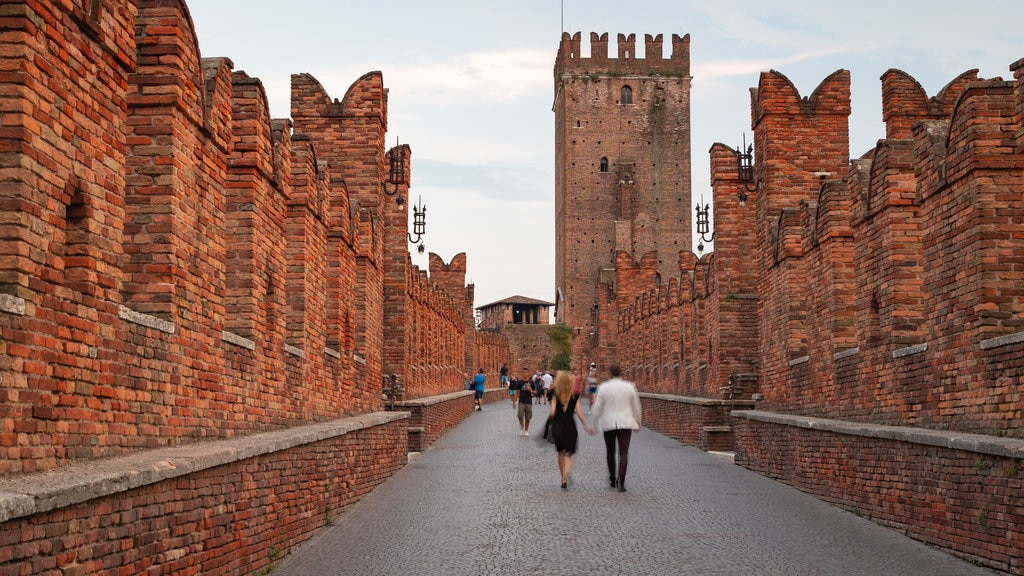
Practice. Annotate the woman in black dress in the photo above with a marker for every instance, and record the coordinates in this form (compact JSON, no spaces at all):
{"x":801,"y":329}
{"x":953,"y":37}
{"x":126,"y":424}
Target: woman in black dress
{"x":564,"y":405}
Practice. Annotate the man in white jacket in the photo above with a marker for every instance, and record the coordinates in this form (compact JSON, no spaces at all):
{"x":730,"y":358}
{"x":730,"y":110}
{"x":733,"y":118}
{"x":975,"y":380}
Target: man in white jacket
{"x":617,"y":413}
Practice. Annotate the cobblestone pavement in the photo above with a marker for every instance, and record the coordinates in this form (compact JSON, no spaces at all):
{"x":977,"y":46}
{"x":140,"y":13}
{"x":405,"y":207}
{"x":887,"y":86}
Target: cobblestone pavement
{"x":485,"y":500}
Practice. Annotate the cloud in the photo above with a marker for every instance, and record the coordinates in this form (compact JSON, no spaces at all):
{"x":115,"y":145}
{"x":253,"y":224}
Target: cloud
{"x":498,"y":77}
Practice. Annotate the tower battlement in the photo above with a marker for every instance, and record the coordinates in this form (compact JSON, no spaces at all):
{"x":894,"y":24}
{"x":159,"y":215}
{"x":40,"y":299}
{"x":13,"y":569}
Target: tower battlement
{"x":571,"y":60}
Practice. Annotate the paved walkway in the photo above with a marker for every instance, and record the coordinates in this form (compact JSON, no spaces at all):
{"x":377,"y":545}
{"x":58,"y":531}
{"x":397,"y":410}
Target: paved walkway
{"x":484,"y":500}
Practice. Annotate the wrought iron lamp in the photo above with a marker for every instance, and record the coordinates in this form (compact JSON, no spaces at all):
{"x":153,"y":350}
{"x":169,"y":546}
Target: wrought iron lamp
{"x":419,"y":225}
{"x":396,"y":173}
{"x":703,"y":225}
{"x":745,"y":169}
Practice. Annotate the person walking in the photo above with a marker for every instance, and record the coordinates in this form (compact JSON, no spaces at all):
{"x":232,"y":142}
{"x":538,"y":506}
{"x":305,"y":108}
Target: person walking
{"x":591,"y":382}
{"x":512,"y":385}
{"x":564,"y":406}
{"x":524,"y":398}
{"x":616,"y":411}
{"x":546,"y":379}
{"x":478,"y":386}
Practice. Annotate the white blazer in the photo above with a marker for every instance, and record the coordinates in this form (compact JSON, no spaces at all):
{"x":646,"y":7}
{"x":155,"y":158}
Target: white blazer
{"x":617,"y":406}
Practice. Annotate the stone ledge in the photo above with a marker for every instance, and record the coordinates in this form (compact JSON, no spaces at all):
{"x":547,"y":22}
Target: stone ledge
{"x":431,"y":400}
{"x":129,"y":315}
{"x":697,"y":401}
{"x":998,"y":341}
{"x":979,"y":443}
{"x":28,"y":494}
{"x":232,"y":338}
{"x":910,"y":350}
{"x":846,"y":353}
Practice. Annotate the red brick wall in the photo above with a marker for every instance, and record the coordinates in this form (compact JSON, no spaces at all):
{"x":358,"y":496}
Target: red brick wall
{"x":886,"y":291}
{"x":178,"y":266}
{"x":795,"y":141}
{"x":352,"y":129}
{"x":492,"y":350}
{"x":232,"y":519}
{"x":531,"y":349}
{"x":959,"y":500}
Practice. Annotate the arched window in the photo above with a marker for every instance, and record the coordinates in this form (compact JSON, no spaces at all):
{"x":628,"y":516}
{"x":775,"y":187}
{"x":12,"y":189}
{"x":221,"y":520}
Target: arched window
{"x":627,"y":95}
{"x":604,"y":164}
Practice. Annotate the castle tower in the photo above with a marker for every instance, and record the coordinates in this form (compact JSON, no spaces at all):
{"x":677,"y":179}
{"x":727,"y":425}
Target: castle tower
{"x":622,"y":170}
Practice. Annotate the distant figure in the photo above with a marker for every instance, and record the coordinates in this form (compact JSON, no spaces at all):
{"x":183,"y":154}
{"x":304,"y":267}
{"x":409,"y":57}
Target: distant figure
{"x":591,"y":384}
{"x":524,"y":399}
{"x":512,"y":385}
{"x":616,"y":411}
{"x":478,"y":386}
{"x":565,"y":405}
{"x":547,"y":379}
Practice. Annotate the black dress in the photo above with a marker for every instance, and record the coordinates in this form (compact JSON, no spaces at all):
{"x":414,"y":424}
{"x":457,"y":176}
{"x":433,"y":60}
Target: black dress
{"x":563,"y":425}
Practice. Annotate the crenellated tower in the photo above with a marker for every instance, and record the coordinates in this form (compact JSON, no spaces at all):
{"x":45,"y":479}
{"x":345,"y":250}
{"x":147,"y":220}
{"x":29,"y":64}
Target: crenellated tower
{"x":622,"y":172}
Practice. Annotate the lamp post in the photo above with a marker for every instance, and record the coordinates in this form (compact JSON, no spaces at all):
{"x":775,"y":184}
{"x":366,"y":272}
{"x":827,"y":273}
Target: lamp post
{"x":745,"y":169}
{"x":703,"y":225}
{"x":396,"y":173}
{"x":419,"y":225}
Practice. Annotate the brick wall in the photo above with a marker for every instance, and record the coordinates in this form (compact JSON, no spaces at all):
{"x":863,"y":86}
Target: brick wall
{"x":229,"y":514}
{"x":953,"y":492}
{"x":492,"y":350}
{"x":882,"y":290}
{"x":176,"y":267}
{"x":532,"y":349}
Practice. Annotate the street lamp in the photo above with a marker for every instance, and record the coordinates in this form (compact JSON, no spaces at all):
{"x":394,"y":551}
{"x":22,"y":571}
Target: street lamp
{"x":745,"y":169}
{"x":419,"y":225}
{"x":396,"y":173}
{"x":703,"y":225}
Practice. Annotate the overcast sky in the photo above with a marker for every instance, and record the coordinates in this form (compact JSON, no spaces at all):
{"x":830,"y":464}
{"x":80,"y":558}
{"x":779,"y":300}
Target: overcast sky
{"x":471,"y":87}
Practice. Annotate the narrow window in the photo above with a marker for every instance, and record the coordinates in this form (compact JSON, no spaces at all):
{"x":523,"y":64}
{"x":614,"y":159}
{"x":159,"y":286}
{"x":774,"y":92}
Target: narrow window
{"x":604,"y":164}
{"x":627,"y":95}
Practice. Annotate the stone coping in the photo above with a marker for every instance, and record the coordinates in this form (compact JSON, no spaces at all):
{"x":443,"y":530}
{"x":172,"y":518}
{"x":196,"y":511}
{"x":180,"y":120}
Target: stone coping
{"x":27,"y":494}
{"x":431,"y":400}
{"x":979,"y":443}
{"x":697,"y":401}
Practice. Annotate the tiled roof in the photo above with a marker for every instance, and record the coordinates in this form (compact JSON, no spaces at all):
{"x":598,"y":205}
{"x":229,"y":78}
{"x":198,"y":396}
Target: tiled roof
{"x":517,"y":300}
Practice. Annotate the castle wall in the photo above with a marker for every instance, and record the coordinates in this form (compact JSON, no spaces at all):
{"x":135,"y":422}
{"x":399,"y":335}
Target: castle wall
{"x":178,"y":267}
{"x":886,"y":305}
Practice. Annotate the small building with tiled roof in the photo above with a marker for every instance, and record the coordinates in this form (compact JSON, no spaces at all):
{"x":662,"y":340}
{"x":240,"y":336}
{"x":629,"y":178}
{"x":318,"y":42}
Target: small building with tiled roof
{"x":513,"y":310}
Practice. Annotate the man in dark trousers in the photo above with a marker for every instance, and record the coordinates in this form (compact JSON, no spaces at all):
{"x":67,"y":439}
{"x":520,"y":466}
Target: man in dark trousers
{"x":524,"y":398}
{"x":616,"y":411}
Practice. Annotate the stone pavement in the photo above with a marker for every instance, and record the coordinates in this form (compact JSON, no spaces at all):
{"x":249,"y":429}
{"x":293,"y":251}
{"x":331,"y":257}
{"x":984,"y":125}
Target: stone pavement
{"x":485,"y":500}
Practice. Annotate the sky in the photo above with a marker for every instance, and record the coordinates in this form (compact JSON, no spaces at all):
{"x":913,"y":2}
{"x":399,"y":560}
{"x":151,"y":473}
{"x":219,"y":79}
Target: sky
{"x":471,"y":87}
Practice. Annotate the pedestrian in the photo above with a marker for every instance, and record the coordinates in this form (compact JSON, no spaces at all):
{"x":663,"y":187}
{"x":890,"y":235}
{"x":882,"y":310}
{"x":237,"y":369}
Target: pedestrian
{"x":546,"y":378}
{"x":564,"y":406}
{"x":538,"y":389}
{"x":504,"y":375}
{"x":512,"y":386}
{"x":591,"y":385}
{"x":478,"y":386}
{"x":524,"y":398}
{"x":616,"y":412}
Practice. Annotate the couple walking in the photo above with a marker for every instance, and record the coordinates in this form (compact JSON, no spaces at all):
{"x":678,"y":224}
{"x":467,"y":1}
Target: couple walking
{"x":615,"y":410}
